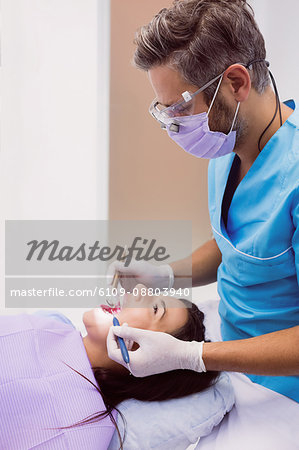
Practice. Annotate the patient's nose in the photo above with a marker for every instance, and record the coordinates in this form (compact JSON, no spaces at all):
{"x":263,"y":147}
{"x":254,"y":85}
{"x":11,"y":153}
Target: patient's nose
{"x":134,"y":297}
{"x":138,"y":293}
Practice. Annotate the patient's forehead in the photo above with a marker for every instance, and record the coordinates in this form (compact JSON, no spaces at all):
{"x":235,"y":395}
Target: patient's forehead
{"x":173,"y":302}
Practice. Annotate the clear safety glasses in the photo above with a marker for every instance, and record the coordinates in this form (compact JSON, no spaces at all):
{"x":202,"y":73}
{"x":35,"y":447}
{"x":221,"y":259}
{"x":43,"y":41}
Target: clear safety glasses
{"x":170,"y":115}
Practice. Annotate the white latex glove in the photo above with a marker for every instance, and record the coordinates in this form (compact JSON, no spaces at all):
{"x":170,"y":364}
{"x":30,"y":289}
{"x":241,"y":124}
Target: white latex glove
{"x":157,"y":352}
{"x":143,"y":272}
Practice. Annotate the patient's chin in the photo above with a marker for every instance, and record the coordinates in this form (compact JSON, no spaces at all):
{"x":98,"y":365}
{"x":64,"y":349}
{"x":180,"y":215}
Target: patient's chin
{"x":97,"y":317}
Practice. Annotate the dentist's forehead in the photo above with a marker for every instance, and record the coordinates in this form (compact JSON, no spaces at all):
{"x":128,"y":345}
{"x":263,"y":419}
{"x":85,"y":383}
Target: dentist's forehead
{"x":168,"y":85}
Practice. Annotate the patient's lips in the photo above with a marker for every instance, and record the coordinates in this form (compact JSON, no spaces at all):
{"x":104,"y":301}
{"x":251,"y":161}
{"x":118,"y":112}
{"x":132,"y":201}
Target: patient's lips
{"x":110,"y":310}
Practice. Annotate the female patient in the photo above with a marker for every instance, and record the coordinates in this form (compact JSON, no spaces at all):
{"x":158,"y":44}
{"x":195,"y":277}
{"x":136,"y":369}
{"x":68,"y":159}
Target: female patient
{"x":59,"y":390}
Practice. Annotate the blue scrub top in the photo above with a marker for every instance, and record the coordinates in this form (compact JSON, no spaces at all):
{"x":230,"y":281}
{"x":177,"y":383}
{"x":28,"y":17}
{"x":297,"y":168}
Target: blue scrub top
{"x":259,"y":274}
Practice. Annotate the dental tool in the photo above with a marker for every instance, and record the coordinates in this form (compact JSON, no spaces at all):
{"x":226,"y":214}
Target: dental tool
{"x":113,"y":286}
{"x":116,"y":275}
{"x":122,"y":345}
{"x":121,"y":342}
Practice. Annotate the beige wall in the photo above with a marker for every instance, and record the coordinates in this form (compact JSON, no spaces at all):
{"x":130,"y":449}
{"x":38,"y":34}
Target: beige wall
{"x":150,"y":176}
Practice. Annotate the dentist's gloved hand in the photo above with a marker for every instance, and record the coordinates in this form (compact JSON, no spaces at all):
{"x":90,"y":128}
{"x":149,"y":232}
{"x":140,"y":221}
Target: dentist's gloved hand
{"x":143,"y":272}
{"x":158,"y":352}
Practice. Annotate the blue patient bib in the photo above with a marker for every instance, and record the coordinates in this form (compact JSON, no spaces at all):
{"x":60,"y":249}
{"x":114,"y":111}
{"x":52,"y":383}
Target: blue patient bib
{"x":259,"y":273}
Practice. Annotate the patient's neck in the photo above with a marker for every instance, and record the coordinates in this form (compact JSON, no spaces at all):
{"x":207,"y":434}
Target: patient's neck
{"x":98,"y":356}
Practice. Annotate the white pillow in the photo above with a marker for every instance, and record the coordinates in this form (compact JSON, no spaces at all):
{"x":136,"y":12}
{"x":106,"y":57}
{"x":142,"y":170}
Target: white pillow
{"x":174,"y":424}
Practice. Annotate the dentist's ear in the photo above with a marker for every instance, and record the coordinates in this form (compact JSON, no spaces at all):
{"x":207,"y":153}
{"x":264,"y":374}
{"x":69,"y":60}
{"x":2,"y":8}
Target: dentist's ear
{"x":237,"y":79}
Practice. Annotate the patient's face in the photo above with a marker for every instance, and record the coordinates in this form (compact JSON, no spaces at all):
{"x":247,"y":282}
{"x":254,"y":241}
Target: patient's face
{"x":166,"y":314}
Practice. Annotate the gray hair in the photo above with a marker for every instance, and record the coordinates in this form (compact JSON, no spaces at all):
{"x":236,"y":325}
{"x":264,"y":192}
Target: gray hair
{"x":201,"y":38}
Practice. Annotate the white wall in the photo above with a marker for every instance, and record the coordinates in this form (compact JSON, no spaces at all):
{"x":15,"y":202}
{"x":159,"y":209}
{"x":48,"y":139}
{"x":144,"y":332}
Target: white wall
{"x":278,"y":22}
{"x":54,"y":111}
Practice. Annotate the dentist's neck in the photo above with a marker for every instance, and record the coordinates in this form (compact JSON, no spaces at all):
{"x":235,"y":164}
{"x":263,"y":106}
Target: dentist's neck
{"x":259,"y":110}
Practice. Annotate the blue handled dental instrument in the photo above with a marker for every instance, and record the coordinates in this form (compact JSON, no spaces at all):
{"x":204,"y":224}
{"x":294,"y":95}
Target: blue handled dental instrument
{"x":122,"y":346}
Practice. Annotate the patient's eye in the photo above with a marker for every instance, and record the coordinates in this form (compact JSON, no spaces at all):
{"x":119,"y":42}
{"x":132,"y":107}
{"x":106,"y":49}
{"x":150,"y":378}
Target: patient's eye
{"x":155,"y":307}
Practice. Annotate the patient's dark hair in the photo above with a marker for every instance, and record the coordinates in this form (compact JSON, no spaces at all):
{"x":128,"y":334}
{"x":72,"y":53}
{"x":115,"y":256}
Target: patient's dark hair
{"x":116,"y":387}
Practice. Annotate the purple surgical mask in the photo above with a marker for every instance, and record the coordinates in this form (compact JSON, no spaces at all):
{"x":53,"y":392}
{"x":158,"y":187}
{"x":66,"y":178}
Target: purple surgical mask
{"x":196,"y":138}
{"x":193,"y":134}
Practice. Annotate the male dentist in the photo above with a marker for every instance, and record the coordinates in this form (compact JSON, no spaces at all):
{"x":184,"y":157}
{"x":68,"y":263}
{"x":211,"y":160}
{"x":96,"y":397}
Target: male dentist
{"x":206,"y":62}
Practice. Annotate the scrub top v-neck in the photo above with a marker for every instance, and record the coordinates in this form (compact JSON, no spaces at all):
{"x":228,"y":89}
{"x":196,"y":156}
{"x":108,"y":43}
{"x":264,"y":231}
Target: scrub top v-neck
{"x":230,"y":188}
{"x":259,"y":273}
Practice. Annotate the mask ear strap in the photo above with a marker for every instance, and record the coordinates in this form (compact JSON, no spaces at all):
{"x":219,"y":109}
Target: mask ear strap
{"x":213,"y":99}
{"x":235,"y":116}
